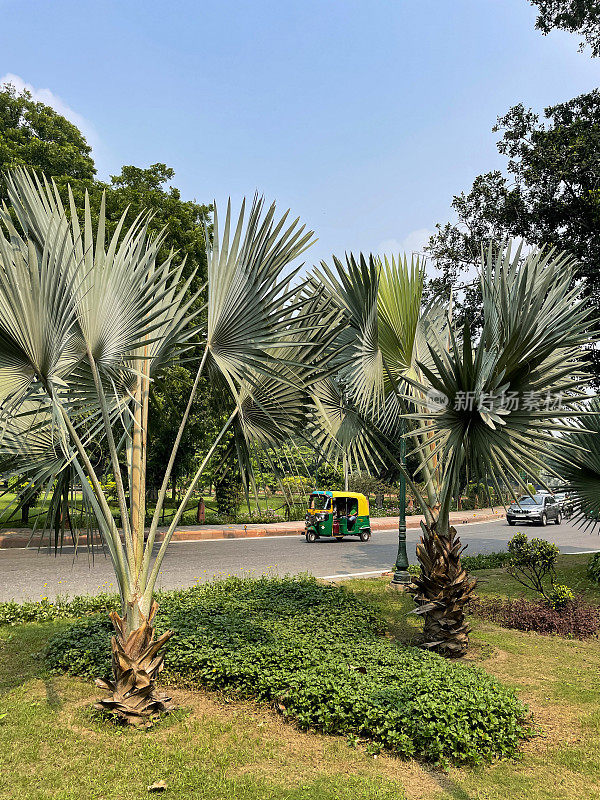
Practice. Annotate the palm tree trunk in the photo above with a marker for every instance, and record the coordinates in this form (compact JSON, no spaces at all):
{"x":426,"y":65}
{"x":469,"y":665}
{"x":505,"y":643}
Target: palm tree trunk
{"x":442,"y":591}
{"x":136,"y":664}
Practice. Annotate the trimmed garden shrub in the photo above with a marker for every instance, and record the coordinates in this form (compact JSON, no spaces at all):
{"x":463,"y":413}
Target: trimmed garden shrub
{"x":560,"y":596}
{"x":317,"y":653}
{"x":574,"y":618}
{"x":485,"y":561}
{"x":533,"y":561}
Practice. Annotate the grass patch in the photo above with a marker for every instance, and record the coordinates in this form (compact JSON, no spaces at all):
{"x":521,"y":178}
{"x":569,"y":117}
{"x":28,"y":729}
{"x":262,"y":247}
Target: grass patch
{"x":225,"y":749}
{"x":53,"y":749}
{"x":571,"y":570}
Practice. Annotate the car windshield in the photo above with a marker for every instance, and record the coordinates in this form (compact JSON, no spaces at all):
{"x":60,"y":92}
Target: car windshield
{"x":536,"y":500}
{"x":319,"y":502}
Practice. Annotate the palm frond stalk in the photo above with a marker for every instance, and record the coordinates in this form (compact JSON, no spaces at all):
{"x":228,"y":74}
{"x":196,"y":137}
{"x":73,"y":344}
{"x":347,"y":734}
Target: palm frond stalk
{"x":86,"y":322}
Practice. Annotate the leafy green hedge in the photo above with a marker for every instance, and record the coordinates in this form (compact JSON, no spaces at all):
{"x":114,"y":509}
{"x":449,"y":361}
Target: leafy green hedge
{"x":485,"y":561}
{"x":45,"y":610}
{"x":318,"y":654}
{"x":471,"y":563}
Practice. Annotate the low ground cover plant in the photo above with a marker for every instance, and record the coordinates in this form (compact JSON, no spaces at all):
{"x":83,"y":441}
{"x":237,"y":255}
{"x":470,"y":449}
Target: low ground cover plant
{"x":45,"y":610}
{"x":318,"y":654}
{"x":573,"y":618}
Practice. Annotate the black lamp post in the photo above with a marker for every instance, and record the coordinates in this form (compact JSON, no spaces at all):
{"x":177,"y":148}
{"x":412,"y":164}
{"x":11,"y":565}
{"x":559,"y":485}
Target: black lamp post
{"x":401,"y":574}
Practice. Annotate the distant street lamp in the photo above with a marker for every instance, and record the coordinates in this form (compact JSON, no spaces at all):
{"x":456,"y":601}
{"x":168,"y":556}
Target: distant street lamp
{"x":401,"y":574}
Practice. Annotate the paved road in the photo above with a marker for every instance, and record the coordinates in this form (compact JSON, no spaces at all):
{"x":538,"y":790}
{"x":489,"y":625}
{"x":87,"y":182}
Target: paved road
{"x":29,"y":574}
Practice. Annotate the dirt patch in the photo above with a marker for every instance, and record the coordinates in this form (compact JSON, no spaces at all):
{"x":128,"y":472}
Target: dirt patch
{"x":556,"y":723}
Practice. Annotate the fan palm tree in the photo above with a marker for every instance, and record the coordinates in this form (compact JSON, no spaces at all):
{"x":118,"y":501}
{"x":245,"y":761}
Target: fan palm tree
{"x":361,"y":411}
{"x":581,"y":473}
{"x":501,"y":405}
{"x":86,"y":321}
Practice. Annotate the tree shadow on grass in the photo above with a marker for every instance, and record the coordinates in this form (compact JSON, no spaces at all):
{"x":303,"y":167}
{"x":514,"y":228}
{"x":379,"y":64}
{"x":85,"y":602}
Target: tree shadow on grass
{"x":449,"y":786}
{"x":21,"y":658}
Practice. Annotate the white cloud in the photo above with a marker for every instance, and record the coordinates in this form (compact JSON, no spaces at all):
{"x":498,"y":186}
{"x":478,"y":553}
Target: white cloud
{"x":48,"y":97}
{"x":414,"y":242}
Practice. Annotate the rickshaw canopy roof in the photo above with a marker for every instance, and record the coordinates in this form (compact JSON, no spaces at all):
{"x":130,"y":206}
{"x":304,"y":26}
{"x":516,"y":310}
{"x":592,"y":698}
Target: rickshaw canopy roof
{"x":363,"y":503}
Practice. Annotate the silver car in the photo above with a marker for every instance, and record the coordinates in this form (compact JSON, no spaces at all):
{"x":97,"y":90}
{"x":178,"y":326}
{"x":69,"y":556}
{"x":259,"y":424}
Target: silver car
{"x":540,"y":509}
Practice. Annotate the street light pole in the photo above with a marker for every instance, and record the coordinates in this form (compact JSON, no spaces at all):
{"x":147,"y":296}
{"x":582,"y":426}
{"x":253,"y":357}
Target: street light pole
{"x":401,"y":574}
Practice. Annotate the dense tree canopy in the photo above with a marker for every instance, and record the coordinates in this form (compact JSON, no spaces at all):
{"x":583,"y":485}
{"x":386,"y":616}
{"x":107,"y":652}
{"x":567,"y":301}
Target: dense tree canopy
{"x":550,"y":195}
{"x":168,"y":399}
{"x":576,"y":16}
{"x":141,"y":190}
{"x":34,"y":135}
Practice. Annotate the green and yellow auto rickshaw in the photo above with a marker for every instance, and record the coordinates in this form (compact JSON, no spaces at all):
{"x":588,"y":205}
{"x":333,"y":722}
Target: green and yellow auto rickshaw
{"x":337,"y":514}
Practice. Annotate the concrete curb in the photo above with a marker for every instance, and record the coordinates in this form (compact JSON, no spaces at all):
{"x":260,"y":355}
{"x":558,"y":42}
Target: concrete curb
{"x":18,"y":539}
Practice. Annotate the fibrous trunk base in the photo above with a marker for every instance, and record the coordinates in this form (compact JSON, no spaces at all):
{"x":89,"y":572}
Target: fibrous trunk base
{"x":136,"y":665}
{"x":442,"y":591}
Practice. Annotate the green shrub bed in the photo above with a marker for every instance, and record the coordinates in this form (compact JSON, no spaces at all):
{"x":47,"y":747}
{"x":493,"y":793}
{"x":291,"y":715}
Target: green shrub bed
{"x":319,"y":655}
{"x":12,"y":613}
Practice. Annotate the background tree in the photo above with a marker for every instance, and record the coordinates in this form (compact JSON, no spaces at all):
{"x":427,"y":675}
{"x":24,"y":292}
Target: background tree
{"x":550,"y":195}
{"x":33,"y":134}
{"x":168,"y":399}
{"x":228,"y":483}
{"x":576,"y":16}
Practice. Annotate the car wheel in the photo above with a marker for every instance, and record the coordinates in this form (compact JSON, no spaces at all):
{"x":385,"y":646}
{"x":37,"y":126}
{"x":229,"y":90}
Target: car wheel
{"x":544,"y":521}
{"x":311,"y":537}
{"x":365,"y":536}
{"x":511,"y":522}
{"x":558,"y":519}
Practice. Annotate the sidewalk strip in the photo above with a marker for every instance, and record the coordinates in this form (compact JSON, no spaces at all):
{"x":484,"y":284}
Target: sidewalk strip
{"x":353,"y":574}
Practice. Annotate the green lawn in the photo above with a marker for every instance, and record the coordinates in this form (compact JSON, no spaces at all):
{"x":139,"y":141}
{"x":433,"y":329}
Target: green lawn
{"x":9,"y":520}
{"x":53,"y":748}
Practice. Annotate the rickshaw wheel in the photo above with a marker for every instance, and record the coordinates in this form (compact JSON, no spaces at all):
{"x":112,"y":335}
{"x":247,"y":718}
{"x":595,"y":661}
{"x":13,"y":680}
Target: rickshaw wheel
{"x":311,"y":537}
{"x":365,"y":536}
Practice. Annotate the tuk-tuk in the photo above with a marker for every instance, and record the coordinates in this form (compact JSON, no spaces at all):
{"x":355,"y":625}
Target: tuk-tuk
{"x":337,"y":514}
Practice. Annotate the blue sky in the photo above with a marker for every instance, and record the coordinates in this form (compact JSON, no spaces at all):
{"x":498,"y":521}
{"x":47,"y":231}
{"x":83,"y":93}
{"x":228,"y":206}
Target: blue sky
{"x":363,"y":116}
